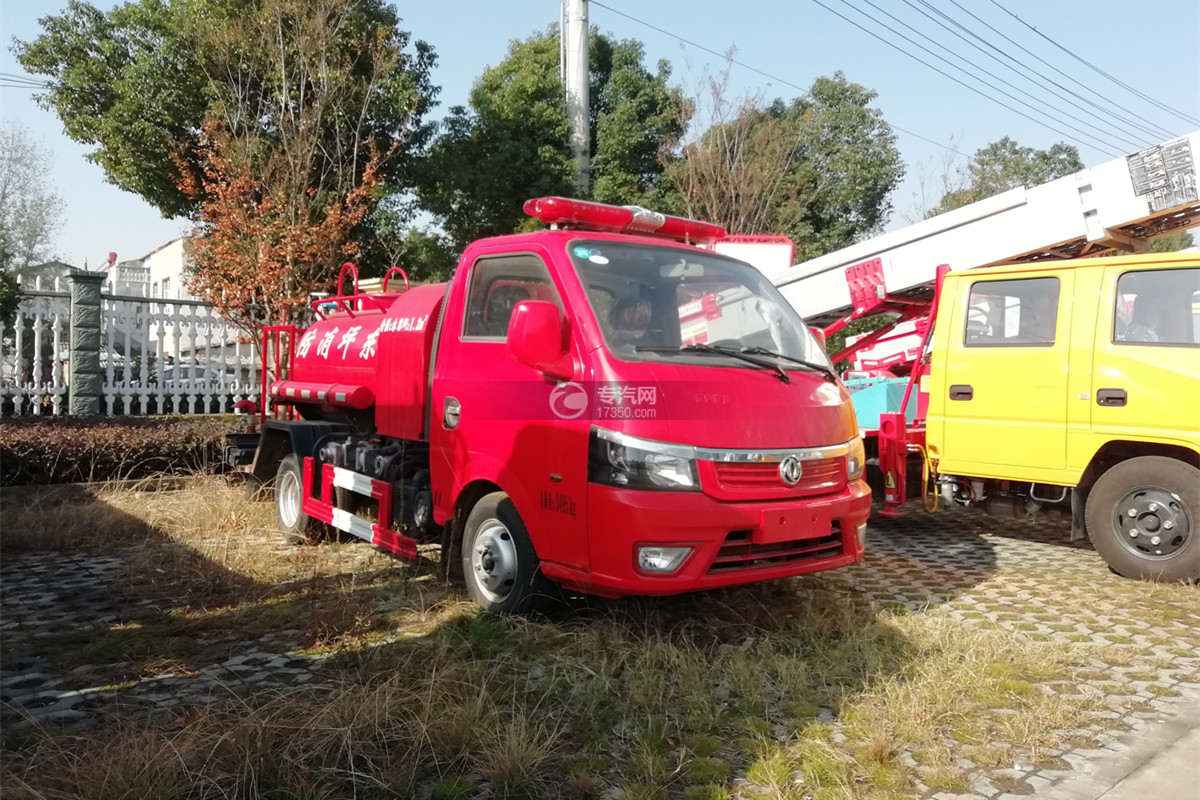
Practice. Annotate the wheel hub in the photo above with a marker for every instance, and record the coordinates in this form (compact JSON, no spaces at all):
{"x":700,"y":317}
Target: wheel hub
{"x":494,"y":560}
{"x":289,"y":499}
{"x":1152,"y":523}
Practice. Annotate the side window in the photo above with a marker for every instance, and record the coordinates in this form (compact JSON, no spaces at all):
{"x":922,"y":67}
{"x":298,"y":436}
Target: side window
{"x":1012,"y":313}
{"x":1158,"y":307}
{"x":497,"y":284}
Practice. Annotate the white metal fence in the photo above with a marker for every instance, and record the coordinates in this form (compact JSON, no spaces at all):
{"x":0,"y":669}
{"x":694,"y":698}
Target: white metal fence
{"x":158,"y":356}
{"x":33,"y":352}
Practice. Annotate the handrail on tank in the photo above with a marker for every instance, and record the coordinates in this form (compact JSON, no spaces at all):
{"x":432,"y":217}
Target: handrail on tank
{"x":347,"y":303}
{"x":282,"y":366}
{"x":389,"y":274}
{"x":342,"y":277}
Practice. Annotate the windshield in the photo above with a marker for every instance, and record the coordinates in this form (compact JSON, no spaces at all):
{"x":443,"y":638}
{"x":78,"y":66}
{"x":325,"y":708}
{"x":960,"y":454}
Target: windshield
{"x":649,"y":299}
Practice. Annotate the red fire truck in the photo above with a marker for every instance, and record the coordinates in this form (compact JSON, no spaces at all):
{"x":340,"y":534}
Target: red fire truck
{"x":550,"y":414}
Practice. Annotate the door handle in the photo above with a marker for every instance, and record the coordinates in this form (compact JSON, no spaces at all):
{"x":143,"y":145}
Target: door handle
{"x":962,"y":391}
{"x":451,"y":413}
{"x":1111,"y":398}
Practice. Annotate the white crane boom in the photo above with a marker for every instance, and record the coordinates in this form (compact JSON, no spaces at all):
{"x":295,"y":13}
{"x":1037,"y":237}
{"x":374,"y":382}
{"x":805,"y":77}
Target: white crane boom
{"x":1117,"y":205}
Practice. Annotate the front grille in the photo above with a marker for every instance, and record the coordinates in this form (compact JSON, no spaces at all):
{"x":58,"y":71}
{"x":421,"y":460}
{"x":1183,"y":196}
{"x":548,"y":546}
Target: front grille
{"x":815,"y":476}
{"x":738,"y":552}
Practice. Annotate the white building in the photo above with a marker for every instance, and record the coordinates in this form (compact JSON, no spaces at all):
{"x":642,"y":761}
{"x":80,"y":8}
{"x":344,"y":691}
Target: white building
{"x":161,"y":273}
{"x":128,"y":278}
{"x":168,"y":271}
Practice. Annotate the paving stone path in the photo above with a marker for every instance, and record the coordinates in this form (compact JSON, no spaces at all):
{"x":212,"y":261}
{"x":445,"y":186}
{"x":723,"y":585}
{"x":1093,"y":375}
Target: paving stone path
{"x":44,"y":595}
{"x":1022,"y":576}
{"x":1028,"y":577}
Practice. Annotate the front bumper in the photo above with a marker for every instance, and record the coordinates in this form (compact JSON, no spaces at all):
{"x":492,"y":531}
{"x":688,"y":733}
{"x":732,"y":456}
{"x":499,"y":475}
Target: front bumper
{"x":733,"y":543}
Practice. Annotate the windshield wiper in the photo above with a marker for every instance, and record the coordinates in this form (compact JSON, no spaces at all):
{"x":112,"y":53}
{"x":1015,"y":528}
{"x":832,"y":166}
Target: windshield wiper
{"x":824,"y":370}
{"x":741,"y":355}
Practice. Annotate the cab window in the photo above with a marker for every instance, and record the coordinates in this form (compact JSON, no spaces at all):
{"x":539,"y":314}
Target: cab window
{"x":497,"y":284}
{"x":1158,"y":307}
{"x":1012,"y":313}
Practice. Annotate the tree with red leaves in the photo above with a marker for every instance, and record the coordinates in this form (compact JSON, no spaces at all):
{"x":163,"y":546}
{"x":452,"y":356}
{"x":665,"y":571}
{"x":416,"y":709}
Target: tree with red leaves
{"x":314,"y":103}
{"x":263,"y":249}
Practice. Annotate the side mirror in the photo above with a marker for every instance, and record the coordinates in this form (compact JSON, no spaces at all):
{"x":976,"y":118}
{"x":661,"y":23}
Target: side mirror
{"x":536,"y":338}
{"x":819,"y":334}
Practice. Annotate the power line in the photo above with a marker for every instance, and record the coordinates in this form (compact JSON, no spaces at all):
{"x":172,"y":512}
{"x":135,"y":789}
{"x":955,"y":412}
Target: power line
{"x":1154,"y":129}
{"x":1103,"y":138}
{"x":33,"y":83}
{"x":945,"y":74}
{"x":931,"y":12}
{"x":767,"y":75}
{"x":9,"y":80}
{"x":1082,"y":60}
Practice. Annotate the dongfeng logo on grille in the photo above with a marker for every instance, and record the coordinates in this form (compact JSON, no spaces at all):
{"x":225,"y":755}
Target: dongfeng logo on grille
{"x":789,"y":470}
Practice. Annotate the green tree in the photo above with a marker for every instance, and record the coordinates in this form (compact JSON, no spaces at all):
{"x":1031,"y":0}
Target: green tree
{"x":425,"y":255}
{"x":846,"y":167}
{"x":273,"y":124}
{"x":1172,"y":242}
{"x":140,"y":82}
{"x":819,"y":168}
{"x":637,"y":119}
{"x":1005,"y":165}
{"x":510,"y":144}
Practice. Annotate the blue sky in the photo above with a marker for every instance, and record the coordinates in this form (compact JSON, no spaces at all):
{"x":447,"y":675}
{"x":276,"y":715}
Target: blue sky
{"x":1156,"y":51}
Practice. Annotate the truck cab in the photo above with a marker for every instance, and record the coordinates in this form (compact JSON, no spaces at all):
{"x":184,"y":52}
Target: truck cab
{"x":1076,"y":383}
{"x":603,"y":405}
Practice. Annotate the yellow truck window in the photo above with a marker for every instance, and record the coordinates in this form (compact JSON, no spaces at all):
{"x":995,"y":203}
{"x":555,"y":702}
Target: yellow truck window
{"x":1012,"y":313}
{"x":1159,"y":306}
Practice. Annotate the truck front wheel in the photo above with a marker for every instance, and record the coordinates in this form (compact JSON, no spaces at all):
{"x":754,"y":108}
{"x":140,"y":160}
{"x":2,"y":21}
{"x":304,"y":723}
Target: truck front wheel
{"x":499,"y":564}
{"x":1142,"y":516}
{"x":289,"y":503}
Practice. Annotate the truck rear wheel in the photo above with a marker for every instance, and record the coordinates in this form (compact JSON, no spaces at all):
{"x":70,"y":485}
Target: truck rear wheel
{"x":499,"y":564}
{"x":289,"y":503}
{"x":1142,"y":519}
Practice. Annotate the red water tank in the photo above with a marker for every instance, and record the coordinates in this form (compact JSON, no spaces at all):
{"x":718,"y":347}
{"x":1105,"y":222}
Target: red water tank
{"x":370,"y":352}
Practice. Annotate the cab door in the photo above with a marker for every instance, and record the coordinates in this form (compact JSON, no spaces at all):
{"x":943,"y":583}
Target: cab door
{"x":1146,"y":368}
{"x":1005,"y":377}
{"x":495,"y":419}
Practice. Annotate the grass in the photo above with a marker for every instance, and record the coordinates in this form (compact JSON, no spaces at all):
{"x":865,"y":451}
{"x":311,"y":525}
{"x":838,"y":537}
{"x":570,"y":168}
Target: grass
{"x":801,"y":688}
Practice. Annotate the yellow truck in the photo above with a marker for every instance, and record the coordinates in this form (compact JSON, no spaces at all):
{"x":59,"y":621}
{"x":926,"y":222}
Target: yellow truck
{"x":1069,"y":386}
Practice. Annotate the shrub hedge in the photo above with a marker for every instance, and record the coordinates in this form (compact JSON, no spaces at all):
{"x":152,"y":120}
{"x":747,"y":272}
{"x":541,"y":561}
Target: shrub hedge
{"x":45,"y":450}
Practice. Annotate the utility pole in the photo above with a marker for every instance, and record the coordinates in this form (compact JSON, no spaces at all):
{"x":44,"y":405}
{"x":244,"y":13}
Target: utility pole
{"x":574,"y":70}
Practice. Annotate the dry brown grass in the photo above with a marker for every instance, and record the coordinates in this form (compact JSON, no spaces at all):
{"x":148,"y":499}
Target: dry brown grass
{"x":372,"y":739}
{"x":638,"y":695}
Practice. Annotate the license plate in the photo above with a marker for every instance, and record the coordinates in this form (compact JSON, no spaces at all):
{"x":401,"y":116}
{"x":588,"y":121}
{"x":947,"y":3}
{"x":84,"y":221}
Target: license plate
{"x":786,"y":525}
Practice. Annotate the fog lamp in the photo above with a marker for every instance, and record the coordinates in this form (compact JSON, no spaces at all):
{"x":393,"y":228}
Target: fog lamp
{"x":663,"y":560}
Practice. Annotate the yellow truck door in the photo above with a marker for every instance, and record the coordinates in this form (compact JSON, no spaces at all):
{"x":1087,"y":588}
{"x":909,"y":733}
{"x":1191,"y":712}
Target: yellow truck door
{"x":1004,"y":377}
{"x":1146,"y":363}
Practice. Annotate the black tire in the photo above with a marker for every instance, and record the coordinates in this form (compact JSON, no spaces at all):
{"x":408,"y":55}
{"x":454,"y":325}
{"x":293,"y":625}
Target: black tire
{"x":1160,"y":540}
{"x":289,"y":492}
{"x":500,"y":568}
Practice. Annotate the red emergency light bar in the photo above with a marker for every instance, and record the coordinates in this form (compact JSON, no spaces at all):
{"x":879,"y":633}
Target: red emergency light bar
{"x":621,"y":219}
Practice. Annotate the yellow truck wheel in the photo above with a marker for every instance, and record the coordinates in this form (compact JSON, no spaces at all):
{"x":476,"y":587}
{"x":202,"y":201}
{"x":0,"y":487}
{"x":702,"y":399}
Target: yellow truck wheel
{"x":1142,"y":517}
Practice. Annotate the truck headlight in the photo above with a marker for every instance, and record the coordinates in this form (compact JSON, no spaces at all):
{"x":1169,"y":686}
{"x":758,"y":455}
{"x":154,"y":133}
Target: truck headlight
{"x":856,"y":461}
{"x":619,"y":460}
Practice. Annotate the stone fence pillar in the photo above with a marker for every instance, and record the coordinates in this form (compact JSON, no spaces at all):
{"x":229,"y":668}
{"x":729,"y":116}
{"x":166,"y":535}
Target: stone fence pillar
{"x":85,"y":376}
